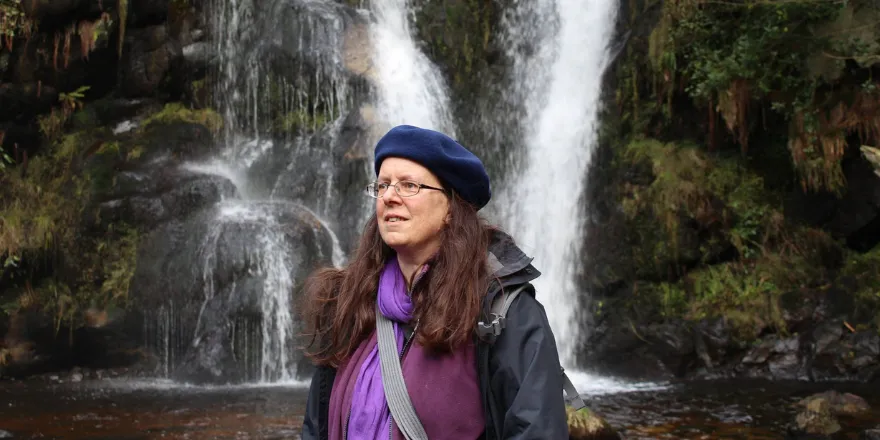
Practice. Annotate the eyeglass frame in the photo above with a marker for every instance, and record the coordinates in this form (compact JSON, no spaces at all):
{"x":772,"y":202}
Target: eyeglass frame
{"x":397,"y":190}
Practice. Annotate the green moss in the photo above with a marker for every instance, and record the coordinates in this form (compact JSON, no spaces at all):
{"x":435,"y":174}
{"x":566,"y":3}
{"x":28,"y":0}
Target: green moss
{"x":860,"y":271}
{"x":749,"y":69}
{"x":298,"y":121}
{"x":457,"y":36}
{"x":41,"y":232}
{"x":177,"y":112}
{"x":684,"y":208}
{"x":105,"y":267}
{"x":712,"y":192}
{"x":42,"y":202}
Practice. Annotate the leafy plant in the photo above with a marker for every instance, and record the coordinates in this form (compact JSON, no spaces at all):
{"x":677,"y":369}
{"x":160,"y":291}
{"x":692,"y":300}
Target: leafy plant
{"x":741,"y":59}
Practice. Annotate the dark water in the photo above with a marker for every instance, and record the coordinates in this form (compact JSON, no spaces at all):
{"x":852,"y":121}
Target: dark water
{"x":147,"y":410}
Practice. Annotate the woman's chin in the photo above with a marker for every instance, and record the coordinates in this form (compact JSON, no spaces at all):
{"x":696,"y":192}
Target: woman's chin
{"x":395,"y":241}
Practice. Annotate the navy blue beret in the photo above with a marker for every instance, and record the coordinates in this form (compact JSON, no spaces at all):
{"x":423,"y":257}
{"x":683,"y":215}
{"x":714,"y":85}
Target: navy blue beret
{"x":453,"y":164}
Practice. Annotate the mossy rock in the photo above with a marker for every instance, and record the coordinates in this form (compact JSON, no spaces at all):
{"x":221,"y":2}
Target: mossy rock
{"x":584,"y":424}
{"x":177,"y":112}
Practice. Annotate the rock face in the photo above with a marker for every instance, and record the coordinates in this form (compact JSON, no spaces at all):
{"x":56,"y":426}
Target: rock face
{"x":230,"y":265}
{"x":674,"y":289}
{"x":708,"y":349}
{"x":220,"y":218}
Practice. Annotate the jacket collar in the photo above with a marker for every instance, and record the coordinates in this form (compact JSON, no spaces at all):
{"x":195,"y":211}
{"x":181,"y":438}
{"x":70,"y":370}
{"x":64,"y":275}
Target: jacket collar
{"x":508,"y":263}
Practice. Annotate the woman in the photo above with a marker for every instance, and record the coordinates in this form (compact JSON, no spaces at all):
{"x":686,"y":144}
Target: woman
{"x":433,"y":267}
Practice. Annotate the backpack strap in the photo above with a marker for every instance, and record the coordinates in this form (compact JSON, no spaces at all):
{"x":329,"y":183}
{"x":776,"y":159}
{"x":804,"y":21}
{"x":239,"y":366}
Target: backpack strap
{"x":490,"y":332}
{"x":498,"y":312}
{"x":572,"y":397}
{"x":392,"y":381}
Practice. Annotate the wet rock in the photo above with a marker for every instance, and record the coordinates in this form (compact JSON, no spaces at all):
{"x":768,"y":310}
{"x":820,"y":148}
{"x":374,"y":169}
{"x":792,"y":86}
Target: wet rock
{"x":314,"y":32}
{"x":147,"y":60}
{"x":26,"y":100}
{"x":150,"y":185}
{"x":870,"y":434}
{"x":797,"y":309}
{"x":826,"y":335}
{"x":199,"y":55}
{"x":144,"y":12}
{"x":852,"y":356}
{"x":179,"y":196}
{"x":584,"y":424}
{"x":775,"y":357}
{"x":760,"y":353}
{"x":357,"y":51}
{"x":207,"y":284}
{"x":838,"y":403}
{"x":816,"y":419}
{"x":324,"y":165}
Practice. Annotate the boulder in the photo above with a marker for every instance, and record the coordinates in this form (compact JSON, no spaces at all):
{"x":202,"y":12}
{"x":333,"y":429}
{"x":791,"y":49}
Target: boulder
{"x":585,"y":424}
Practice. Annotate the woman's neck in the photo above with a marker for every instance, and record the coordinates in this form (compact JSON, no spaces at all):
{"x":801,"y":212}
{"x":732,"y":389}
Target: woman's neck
{"x":410,"y":265}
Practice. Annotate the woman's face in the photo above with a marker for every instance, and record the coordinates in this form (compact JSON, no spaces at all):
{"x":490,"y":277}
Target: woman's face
{"x":411,"y":224}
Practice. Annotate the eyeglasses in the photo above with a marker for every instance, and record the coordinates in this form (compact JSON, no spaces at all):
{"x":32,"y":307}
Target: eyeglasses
{"x":404,"y":188}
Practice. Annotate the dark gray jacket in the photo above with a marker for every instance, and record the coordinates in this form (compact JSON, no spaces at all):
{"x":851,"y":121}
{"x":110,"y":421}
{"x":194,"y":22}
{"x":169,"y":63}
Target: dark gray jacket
{"x":520,"y":375}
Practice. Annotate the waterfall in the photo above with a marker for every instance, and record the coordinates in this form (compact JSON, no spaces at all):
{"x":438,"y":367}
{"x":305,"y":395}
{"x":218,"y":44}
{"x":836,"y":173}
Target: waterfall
{"x":301,"y":113}
{"x":280,"y":88}
{"x":410,"y":88}
{"x":560,"y":50}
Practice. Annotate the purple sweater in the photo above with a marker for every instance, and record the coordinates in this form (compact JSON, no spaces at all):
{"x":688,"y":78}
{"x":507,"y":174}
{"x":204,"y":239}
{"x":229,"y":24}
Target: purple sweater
{"x":444,"y":390}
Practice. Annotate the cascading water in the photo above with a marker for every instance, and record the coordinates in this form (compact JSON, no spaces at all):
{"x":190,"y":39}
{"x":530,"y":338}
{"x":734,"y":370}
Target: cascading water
{"x":283,"y":96}
{"x":560,"y":50}
{"x":562,"y":82}
{"x":406,"y":87}
{"x":410,"y":88}
{"x":290,"y":86}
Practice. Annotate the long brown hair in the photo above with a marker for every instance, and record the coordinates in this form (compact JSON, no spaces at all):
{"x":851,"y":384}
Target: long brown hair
{"x":340,"y":304}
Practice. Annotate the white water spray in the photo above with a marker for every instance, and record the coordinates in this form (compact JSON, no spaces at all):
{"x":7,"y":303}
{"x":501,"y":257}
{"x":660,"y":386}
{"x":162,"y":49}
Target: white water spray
{"x":410,"y":88}
{"x":558,"y":82}
{"x":256,"y":97}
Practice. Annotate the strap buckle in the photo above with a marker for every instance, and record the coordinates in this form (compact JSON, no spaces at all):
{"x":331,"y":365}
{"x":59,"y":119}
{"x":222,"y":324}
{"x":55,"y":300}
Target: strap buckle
{"x":492,"y":330}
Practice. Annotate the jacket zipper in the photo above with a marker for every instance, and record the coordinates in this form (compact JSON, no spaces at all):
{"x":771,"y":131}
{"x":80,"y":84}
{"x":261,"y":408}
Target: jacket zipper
{"x":345,"y":426}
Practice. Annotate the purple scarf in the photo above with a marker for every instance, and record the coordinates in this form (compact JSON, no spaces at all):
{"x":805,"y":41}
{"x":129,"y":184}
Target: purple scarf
{"x":370,"y":417}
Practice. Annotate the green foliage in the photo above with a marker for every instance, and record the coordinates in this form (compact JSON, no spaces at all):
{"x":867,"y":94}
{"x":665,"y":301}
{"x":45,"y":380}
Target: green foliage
{"x":12,"y":21}
{"x":41,"y":205}
{"x":862,"y":269}
{"x":764,"y":43}
{"x":52,"y":124}
{"x":177,"y":112}
{"x":5,"y":159}
{"x":41,"y":224}
{"x":298,"y":120}
{"x":688,"y":184}
{"x":724,"y":202}
{"x":743,"y":60}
